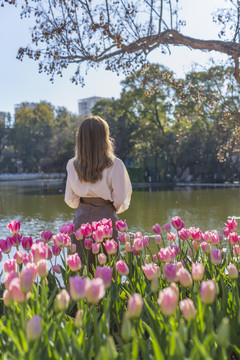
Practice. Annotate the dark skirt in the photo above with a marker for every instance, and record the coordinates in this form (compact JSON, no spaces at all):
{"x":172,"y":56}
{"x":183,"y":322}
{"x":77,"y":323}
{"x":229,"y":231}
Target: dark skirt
{"x":89,"y":210}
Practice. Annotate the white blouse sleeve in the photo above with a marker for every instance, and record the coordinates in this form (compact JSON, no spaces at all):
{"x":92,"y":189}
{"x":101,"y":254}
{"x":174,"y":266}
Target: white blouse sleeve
{"x":71,"y":199}
{"x":121,"y":186}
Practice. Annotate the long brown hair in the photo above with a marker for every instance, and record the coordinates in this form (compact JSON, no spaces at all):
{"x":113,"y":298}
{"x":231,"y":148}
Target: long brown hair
{"x":94,"y":149}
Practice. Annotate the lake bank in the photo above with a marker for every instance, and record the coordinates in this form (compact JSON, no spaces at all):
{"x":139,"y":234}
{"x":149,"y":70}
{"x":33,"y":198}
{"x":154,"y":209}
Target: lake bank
{"x":36,"y":178}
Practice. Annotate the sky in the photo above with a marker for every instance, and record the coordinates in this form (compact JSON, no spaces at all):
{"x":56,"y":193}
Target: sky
{"x":20,"y":81}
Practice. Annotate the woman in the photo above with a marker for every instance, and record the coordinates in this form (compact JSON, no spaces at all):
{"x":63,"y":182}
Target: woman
{"x":98,"y":185}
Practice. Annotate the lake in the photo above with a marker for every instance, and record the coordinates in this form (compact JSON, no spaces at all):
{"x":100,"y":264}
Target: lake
{"x":39,"y":205}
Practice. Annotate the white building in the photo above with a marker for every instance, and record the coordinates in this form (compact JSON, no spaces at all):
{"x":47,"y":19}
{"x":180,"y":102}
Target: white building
{"x":85,"y":105}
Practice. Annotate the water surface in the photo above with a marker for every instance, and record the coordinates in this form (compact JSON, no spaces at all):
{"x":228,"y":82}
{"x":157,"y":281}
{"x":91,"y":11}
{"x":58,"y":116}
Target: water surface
{"x":39,"y":205}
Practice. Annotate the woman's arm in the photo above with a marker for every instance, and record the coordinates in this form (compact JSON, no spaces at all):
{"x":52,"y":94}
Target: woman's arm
{"x":121,"y":186}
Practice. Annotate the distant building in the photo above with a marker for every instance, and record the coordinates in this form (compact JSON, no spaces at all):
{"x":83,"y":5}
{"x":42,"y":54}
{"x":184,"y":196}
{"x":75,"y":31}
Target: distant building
{"x":85,"y":105}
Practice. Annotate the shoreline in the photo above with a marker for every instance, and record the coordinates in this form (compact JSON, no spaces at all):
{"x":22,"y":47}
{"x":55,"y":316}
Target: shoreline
{"x":53,"y":177}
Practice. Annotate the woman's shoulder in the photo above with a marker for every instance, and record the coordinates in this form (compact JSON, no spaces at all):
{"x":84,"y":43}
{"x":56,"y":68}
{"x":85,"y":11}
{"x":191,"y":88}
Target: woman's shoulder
{"x":70,"y":163}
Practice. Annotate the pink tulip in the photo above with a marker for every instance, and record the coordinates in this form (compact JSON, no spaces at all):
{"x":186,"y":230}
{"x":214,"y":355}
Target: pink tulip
{"x":46,"y":236}
{"x":233,"y":238}
{"x":157,"y":229}
{"x":95,"y":290}
{"x":208,"y":291}
{"x":10,"y":265}
{"x":39,"y":251}
{"x":174,"y":287}
{"x":170,"y":272}
{"x":1,"y":256}
{"x":127,"y":247}
{"x":14,"y":227}
{"x":134,"y":307}
{"x":195,"y":234}
{"x":184,"y":277}
{"x":27,"y":277}
{"x":104,"y":273}
{"x":236,"y":250}
{"x":56,"y":269}
{"x":105,"y":221}
{"x":197,"y":271}
{"x":207,"y":236}
{"x":107,"y":231}
{"x":232,"y":271}
{"x":102,"y":259}
{"x":78,"y":234}
{"x":172,"y":237}
{"x":7,"y":299}
{"x":167,"y":227}
{"x":226,"y":231}
{"x":56,"y":250}
{"x":175,"y":249}
{"x":77,"y":287}
{"x":188,"y":309}
{"x":74,"y":262}
{"x":214,"y":237}
{"x":111,"y":246}
{"x":184,"y":234}
{"x":72,"y":249}
{"x":151,"y":271}
{"x":158,"y":239}
{"x":122,"y":238}
{"x":15,"y":290}
{"x":62,"y":300}
{"x":62,"y":240}
{"x":19,"y":257}
{"x":95,"y":248}
{"x":232,"y":225}
{"x":122,"y":268}
{"x":34,"y":267}
{"x":216,"y":256}
{"x":50,"y":254}
{"x":134,"y":251}
{"x":86,"y":229}
{"x":79,"y":318}
{"x":166,"y":255}
{"x":206,"y":247}
{"x":155,"y":258}
{"x":28,"y":258}
{"x":42,"y":268}
{"x":220,"y":238}
{"x":9,"y":276}
{"x":177,"y":223}
{"x":121,"y":225}
{"x":16,"y":240}
{"x":138,"y":244}
{"x":27,"y":243}
{"x":88,"y":243}
{"x":34,"y":328}
{"x":167,"y":300}
{"x":145,"y":241}
{"x":6,"y":245}
{"x":98,"y":235}
{"x":67,"y":229}
{"x":195,"y":244}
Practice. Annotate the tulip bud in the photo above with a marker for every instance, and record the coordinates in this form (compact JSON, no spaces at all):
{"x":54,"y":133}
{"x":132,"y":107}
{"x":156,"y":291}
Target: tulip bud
{"x":135,"y":304}
{"x":34,"y":328}
{"x":7,"y":299}
{"x":62,"y":300}
{"x":111,"y":351}
{"x":79,"y":318}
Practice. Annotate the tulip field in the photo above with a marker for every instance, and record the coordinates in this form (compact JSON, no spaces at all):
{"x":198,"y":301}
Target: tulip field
{"x":180,"y":301}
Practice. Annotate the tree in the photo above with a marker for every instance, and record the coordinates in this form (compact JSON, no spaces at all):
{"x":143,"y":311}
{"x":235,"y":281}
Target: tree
{"x":33,"y":130}
{"x":120,"y":33}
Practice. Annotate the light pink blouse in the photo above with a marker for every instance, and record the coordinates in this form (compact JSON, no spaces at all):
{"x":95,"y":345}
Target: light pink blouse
{"x":115,"y":186}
